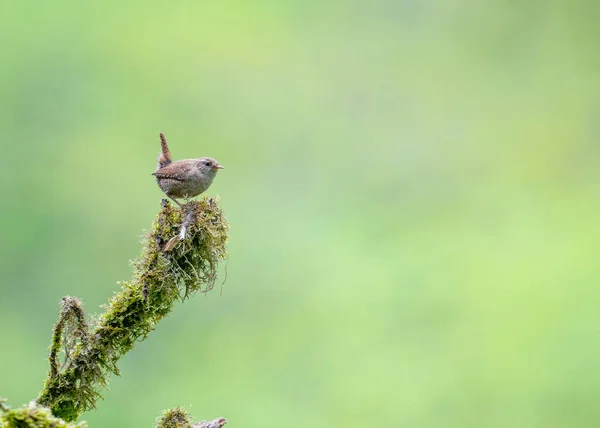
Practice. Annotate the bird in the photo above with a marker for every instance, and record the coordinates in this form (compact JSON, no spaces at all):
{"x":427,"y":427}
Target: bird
{"x":186,"y":178}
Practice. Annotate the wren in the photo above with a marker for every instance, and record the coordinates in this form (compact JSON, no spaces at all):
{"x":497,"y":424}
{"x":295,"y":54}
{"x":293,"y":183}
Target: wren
{"x":185,"y":178}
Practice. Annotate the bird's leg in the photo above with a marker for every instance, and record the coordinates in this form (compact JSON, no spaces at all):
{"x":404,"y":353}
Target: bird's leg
{"x":176,"y":201}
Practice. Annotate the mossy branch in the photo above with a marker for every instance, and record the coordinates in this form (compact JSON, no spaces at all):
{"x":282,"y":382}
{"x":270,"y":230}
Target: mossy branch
{"x":33,"y":416}
{"x":36,"y":416}
{"x":160,"y":279}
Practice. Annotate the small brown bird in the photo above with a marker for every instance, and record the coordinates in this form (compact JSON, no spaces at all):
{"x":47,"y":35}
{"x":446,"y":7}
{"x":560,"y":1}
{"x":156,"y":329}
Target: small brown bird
{"x":185,"y":178}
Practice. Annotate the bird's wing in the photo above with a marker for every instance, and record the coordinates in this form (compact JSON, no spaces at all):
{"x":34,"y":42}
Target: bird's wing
{"x":177,"y":170}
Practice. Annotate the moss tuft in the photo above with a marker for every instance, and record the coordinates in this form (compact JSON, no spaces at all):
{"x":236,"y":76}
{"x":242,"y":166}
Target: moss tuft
{"x":159,"y":280}
{"x":179,"y":418}
{"x":33,"y":416}
{"x":174,"y":418}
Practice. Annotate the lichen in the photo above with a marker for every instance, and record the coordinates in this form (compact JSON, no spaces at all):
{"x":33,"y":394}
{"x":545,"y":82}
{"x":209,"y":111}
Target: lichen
{"x":159,"y":280}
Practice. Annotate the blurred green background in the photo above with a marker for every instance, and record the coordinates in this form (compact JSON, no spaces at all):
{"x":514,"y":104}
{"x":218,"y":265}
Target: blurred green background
{"x":413,"y":189}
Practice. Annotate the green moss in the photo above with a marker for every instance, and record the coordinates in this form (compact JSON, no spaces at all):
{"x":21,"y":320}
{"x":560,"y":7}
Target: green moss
{"x":174,"y":418}
{"x":71,"y":329}
{"x":33,"y":416}
{"x":179,"y":418}
{"x":159,"y":280}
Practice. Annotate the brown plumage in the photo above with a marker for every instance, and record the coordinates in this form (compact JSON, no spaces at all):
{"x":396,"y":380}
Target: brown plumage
{"x":185,"y":178}
{"x":164,"y":157}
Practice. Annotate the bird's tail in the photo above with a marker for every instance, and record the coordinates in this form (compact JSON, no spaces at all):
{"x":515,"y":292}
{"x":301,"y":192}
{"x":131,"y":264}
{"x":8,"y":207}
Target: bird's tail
{"x":164,"y":158}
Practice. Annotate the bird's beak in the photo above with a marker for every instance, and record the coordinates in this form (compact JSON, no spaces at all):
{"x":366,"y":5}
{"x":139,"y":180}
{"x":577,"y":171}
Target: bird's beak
{"x":219,"y":167}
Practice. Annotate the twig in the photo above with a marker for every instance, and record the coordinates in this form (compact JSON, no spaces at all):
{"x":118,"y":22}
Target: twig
{"x":71,"y":313}
{"x":215,"y":423}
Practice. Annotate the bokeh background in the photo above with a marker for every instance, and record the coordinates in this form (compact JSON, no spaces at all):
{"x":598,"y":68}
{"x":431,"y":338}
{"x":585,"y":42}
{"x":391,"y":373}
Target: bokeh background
{"x":413,"y":189}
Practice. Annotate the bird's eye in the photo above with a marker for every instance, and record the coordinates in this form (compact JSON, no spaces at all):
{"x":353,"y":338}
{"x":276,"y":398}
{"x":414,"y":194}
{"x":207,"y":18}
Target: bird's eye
{"x":208,"y":163}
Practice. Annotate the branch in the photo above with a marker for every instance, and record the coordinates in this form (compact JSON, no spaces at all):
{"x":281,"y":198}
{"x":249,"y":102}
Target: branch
{"x":159,"y":280}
